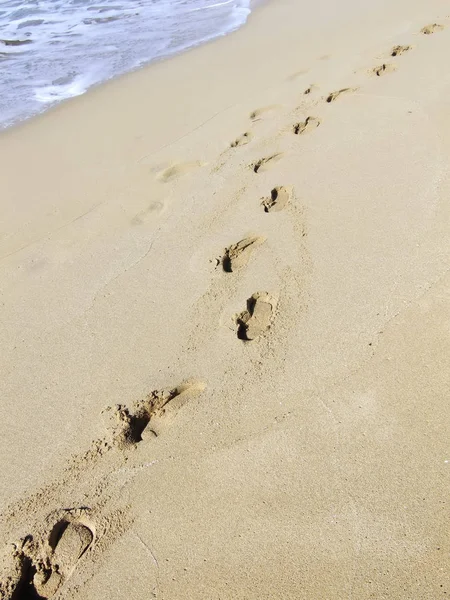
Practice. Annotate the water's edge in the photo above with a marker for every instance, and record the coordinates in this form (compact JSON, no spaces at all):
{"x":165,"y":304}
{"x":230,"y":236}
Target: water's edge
{"x":72,"y":56}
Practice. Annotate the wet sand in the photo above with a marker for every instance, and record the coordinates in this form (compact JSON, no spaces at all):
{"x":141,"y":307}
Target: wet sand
{"x":225,"y":320}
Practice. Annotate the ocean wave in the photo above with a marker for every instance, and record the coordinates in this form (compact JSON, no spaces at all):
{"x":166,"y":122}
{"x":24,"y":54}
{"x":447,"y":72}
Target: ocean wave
{"x":57,"y":49}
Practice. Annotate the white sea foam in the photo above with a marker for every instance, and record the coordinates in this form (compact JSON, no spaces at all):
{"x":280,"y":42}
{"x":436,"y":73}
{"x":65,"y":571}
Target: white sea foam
{"x":56,"y":49}
{"x":54,"y":93}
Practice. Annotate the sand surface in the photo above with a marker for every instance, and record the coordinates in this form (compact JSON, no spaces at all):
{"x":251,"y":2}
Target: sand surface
{"x":225,"y":320}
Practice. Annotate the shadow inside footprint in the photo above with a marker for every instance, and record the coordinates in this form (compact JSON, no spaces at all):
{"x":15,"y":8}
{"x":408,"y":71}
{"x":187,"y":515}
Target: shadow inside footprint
{"x":310,"y":89}
{"x":383,"y":69}
{"x":278,"y":199}
{"x":335,"y":95}
{"x":263,"y":163}
{"x":16,"y":578}
{"x":237,"y":255}
{"x":242,"y":140}
{"x":40,"y":569}
{"x":306,"y":125}
{"x":399,"y":50}
{"x":69,"y":540}
{"x":257,"y":319}
{"x":430,"y":29}
{"x":128,"y":426}
{"x":257,"y":114}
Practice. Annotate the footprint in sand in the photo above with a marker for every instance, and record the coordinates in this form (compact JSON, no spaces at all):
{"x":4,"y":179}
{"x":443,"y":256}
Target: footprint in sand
{"x":305,"y":126}
{"x":258,"y":114}
{"x":153,"y":209}
{"x":264,"y":163}
{"x":150,"y":415}
{"x":39,"y":567}
{"x":237,"y":255}
{"x":383,"y":69}
{"x":257,"y":319}
{"x":297,"y":74}
{"x":242,"y":140}
{"x":178,"y":170}
{"x":399,"y":50}
{"x":335,"y":95}
{"x":279,"y":197}
{"x":310,"y":89}
{"x":430,"y":29}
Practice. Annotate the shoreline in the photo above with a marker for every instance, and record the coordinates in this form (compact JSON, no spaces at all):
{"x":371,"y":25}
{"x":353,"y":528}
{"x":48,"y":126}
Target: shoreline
{"x":224,"y":293}
{"x":254,"y":4}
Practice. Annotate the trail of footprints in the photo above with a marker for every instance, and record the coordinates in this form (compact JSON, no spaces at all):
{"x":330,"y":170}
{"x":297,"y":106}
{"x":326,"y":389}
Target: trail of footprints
{"x":258,"y":316}
{"x":174,"y":171}
{"x":38,"y":566}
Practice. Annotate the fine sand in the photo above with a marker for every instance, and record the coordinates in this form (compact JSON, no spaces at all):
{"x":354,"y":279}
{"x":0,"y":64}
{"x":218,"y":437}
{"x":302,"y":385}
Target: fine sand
{"x":225,"y":320}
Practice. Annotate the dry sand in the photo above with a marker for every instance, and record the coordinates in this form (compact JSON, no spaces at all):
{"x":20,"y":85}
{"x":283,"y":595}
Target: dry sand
{"x":225,"y":320}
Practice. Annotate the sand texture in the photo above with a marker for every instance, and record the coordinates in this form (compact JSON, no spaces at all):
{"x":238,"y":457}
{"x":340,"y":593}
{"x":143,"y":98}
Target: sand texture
{"x":225,"y":349}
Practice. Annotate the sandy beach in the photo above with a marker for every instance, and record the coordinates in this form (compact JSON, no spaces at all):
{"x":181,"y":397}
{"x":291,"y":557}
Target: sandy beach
{"x":225,"y":320}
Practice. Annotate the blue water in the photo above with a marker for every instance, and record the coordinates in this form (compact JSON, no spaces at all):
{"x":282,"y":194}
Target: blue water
{"x":55,"y":49}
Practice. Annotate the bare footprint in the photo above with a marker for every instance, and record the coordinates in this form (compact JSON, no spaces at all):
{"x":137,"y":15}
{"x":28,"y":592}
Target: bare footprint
{"x":307,"y":125}
{"x":399,"y":50}
{"x":127,"y":426}
{"x":39,"y":567}
{"x":279,"y":197}
{"x":310,"y":89}
{"x":297,"y":74}
{"x":257,"y":319}
{"x":264,"y":163}
{"x":257,"y":114}
{"x":69,"y":541}
{"x":243,"y":139}
{"x":383,"y":69}
{"x":335,"y":95}
{"x":237,"y":256}
{"x":178,"y":170}
{"x":430,"y":29}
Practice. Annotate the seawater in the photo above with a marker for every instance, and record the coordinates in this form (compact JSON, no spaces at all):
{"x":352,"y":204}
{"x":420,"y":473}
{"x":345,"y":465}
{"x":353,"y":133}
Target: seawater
{"x":51,"y":50}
